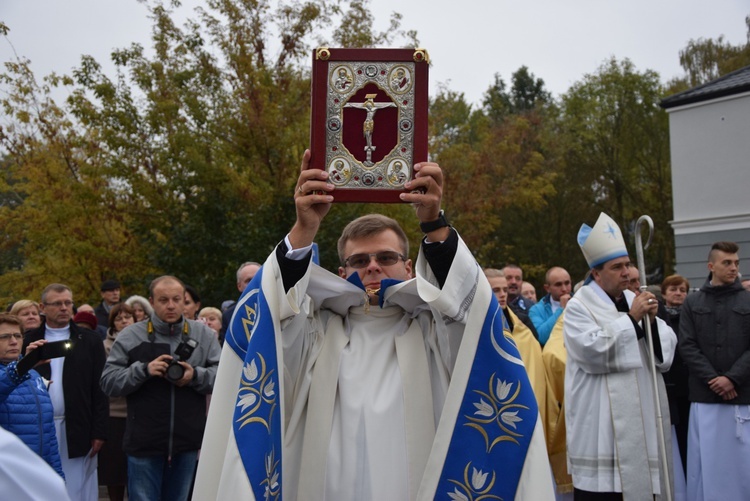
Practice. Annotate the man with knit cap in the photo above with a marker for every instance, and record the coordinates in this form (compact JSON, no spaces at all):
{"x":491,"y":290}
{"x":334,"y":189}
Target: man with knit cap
{"x":613,"y":450}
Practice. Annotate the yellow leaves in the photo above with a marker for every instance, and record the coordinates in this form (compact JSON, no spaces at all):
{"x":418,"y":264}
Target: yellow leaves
{"x":23,"y":117}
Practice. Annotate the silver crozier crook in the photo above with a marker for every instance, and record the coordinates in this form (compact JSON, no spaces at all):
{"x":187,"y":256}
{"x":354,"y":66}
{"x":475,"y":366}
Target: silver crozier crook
{"x":652,"y":359}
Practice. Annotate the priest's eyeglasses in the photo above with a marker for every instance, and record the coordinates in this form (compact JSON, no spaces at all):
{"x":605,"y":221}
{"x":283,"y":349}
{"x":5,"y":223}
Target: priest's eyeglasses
{"x":383,"y":258}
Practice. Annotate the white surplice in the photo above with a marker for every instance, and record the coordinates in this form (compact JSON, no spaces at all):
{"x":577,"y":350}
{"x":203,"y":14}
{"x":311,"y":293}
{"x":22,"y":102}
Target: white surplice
{"x":369,"y":392}
{"x":718,"y":452}
{"x":364,"y":388}
{"x":24,"y":475}
{"x":606,"y":377}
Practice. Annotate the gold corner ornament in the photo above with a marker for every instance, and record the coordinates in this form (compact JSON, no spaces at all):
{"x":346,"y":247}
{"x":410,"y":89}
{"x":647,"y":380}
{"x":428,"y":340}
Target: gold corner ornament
{"x":421,"y":56}
{"x":322,"y":53}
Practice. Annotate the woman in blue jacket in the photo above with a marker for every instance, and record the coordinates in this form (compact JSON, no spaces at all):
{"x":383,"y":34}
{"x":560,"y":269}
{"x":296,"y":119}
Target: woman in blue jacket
{"x":25,"y":405}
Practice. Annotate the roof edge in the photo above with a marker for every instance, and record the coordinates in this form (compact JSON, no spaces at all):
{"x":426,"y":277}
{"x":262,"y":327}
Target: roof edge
{"x":691,"y":95}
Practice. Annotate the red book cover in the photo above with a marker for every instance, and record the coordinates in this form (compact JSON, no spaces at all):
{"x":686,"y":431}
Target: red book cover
{"x":368,"y":125}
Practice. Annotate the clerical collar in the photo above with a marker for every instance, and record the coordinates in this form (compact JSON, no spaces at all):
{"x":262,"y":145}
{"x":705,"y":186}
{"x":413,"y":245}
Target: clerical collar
{"x":621,"y":303}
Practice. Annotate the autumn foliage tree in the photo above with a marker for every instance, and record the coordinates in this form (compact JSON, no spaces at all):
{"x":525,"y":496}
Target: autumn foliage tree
{"x":706,"y":59}
{"x":183,"y":162}
{"x":618,"y":155}
{"x":499,"y":161}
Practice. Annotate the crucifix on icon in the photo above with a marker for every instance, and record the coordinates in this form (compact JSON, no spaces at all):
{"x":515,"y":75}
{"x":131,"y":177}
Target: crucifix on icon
{"x":371,"y":107}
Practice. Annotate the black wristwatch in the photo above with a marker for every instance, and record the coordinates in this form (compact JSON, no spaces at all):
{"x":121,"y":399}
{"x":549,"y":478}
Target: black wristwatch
{"x":430,"y":226}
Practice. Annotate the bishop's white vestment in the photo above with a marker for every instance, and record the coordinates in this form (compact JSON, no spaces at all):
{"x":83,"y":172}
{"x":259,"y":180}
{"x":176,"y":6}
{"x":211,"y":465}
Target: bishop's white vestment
{"x":609,"y":405}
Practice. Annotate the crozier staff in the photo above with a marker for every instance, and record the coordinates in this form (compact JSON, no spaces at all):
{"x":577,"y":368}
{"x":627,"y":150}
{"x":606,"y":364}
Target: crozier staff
{"x":609,"y":405}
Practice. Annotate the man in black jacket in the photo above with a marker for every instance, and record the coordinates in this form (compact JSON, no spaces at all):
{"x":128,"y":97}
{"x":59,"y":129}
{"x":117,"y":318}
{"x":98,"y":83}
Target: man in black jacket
{"x":715,"y":345}
{"x":81,"y":408}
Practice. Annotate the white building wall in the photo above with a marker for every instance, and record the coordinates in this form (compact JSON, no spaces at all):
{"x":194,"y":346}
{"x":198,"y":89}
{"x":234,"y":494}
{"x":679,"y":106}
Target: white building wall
{"x":710,"y":150}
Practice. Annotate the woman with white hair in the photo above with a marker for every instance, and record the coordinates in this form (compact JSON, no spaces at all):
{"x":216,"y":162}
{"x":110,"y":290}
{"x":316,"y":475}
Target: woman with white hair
{"x":142,"y":309}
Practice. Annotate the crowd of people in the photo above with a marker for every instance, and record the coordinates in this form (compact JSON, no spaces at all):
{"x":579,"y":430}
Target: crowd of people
{"x":107,"y":412}
{"x":602,"y":390}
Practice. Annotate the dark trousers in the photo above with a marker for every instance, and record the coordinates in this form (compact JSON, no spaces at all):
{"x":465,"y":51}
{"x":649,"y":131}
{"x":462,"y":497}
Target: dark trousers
{"x":579,"y":495}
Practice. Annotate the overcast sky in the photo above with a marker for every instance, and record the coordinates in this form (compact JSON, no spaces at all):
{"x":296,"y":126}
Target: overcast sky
{"x":468,"y":40}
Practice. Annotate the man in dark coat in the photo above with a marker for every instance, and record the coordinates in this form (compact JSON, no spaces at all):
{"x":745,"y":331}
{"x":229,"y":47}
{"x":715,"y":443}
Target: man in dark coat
{"x":110,"y":291}
{"x":80,"y":406}
{"x":715,"y":346}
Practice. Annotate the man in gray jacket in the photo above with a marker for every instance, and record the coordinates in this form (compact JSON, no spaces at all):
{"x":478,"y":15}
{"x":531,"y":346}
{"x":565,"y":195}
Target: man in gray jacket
{"x":165,"y":367}
{"x":715,"y":345}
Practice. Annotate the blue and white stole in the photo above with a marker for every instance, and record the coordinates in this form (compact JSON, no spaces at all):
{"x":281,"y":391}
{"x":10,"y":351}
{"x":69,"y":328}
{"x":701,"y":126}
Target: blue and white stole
{"x":490,"y":414}
{"x":257,"y":422}
{"x":484,"y":432}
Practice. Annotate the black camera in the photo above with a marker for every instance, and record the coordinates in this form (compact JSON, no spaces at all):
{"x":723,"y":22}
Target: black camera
{"x":174,"y":370}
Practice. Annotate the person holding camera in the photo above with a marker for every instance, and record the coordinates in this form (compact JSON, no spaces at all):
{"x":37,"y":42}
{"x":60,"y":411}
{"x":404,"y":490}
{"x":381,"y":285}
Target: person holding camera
{"x":164,"y":367}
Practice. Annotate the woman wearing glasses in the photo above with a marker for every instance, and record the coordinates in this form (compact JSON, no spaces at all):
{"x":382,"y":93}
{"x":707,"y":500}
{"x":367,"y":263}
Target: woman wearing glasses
{"x":25,"y":405}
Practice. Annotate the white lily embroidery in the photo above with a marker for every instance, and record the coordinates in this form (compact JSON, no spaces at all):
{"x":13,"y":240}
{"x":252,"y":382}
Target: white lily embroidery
{"x":483,"y":408}
{"x":247,"y":401}
{"x":478,"y":479}
{"x":268,"y":391}
{"x":510,"y":418}
{"x":502,"y":389}
{"x":457,"y":495}
{"x":250,"y":371}
{"x":274,"y":481}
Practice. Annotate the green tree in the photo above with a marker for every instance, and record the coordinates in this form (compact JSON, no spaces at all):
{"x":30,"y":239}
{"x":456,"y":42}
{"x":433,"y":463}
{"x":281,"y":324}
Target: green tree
{"x":456,"y":135}
{"x":708,"y":59}
{"x":498,"y":162}
{"x":525,"y":94}
{"x":61,"y":221}
{"x":618,"y":153}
